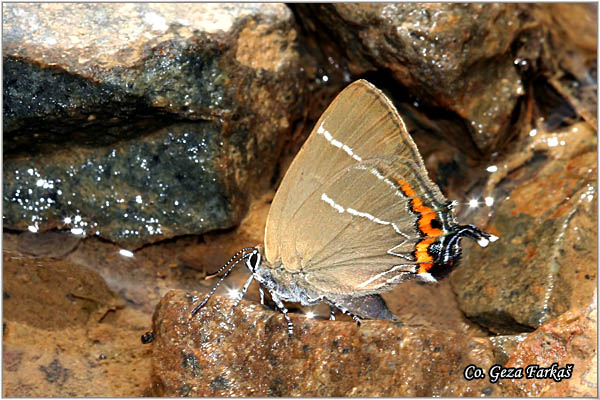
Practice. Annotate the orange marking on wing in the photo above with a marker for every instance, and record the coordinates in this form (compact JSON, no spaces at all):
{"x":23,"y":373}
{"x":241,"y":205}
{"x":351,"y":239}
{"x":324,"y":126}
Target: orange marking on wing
{"x":423,"y":255}
{"x":427,"y":214}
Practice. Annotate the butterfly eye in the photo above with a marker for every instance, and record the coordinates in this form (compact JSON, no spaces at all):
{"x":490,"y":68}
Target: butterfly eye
{"x":253,"y":260}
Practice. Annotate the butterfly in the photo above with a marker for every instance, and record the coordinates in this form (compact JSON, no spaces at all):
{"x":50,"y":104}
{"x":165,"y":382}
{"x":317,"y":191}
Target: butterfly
{"x":355,"y":215}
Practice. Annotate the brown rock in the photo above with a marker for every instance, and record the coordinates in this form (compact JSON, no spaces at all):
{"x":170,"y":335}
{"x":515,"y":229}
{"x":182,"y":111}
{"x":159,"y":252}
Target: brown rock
{"x":504,"y":346}
{"x":545,"y":200}
{"x":457,"y":56}
{"x":65,"y":334}
{"x":572,"y":54}
{"x":247,"y":352}
{"x":47,"y":244}
{"x":571,"y":339}
{"x":53,"y":294}
{"x":478,"y":62}
{"x":91,"y":46}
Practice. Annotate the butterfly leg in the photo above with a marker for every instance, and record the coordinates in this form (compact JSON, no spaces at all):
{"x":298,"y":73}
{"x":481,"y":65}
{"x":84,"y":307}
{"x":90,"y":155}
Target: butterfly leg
{"x":244,"y":290}
{"x":262,"y":295}
{"x":345,"y":311}
{"x":284,"y":310}
{"x":331,"y":313}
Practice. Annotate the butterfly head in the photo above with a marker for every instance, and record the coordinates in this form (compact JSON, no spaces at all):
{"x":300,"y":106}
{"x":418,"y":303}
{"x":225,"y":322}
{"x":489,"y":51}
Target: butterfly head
{"x":447,"y":251}
{"x":253,"y":259}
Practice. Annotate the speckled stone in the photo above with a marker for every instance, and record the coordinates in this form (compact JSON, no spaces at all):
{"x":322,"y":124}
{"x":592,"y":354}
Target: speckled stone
{"x":504,"y":345}
{"x":144,"y":121}
{"x":572,"y":338}
{"x":457,"y":56}
{"x":545,"y":212}
{"x":247,"y":352}
{"x":101,"y":36}
{"x":136,"y":192}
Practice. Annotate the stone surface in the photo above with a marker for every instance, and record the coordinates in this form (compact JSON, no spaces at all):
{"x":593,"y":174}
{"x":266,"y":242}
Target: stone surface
{"x":136,"y":78}
{"x":504,"y":345}
{"x":573,"y":48}
{"x":44,"y":244}
{"x":247,"y":352}
{"x":455,"y":56}
{"x":76,"y":294}
{"x":545,"y":208}
{"x":572,"y":338}
{"x":88,"y":343}
{"x":151,"y":188}
{"x":65,"y":333}
{"x":108,"y":42}
{"x":154,"y":115}
{"x":100,"y":360}
{"x":468,"y":67}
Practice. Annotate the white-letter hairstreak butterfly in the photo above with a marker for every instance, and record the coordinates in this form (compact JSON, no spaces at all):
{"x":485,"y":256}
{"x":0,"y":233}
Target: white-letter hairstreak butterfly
{"x":355,"y":215}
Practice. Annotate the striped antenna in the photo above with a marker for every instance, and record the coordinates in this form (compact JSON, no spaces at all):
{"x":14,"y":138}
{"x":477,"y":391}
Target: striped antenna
{"x":237,"y":257}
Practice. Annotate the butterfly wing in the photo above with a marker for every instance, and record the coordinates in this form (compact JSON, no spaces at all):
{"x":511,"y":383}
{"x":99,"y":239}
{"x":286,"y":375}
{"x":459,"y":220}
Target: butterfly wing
{"x":343,"y":206}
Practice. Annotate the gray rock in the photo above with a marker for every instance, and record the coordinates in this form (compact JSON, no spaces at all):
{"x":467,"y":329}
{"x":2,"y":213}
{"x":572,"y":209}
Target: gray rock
{"x":144,"y":121}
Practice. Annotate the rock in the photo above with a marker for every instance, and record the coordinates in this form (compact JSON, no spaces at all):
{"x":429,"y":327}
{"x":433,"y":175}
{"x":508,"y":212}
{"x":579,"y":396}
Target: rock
{"x":144,"y":190}
{"x":432,"y":306}
{"x":544,"y":211}
{"x":52,"y":293}
{"x":572,"y":64}
{"x":47,"y":244}
{"x":571,"y":339}
{"x":468,"y":67}
{"x":504,"y":345}
{"x":247,"y":352}
{"x":156,"y":120}
{"x":146,"y":122}
{"x":65,"y":333}
{"x":454,"y":56}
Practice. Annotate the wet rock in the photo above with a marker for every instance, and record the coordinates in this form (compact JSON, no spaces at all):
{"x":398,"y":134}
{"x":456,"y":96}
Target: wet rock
{"x":156,"y":115}
{"x":432,"y":306}
{"x":55,"y":293}
{"x":468,"y":67}
{"x":571,"y":59}
{"x":143,"y":276}
{"x":66,"y":334}
{"x":504,"y":346}
{"x":544,"y":211}
{"x":47,"y":244}
{"x":571,"y":339}
{"x":109,"y":42}
{"x":455,"y":56}
{"x":142,"y":190}
{"x":247,"y":352}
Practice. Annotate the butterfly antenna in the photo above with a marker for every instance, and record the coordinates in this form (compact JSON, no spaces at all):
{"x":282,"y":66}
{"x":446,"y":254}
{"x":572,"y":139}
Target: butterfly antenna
{"x":236,"y":255}
{"x":243,"y":254}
